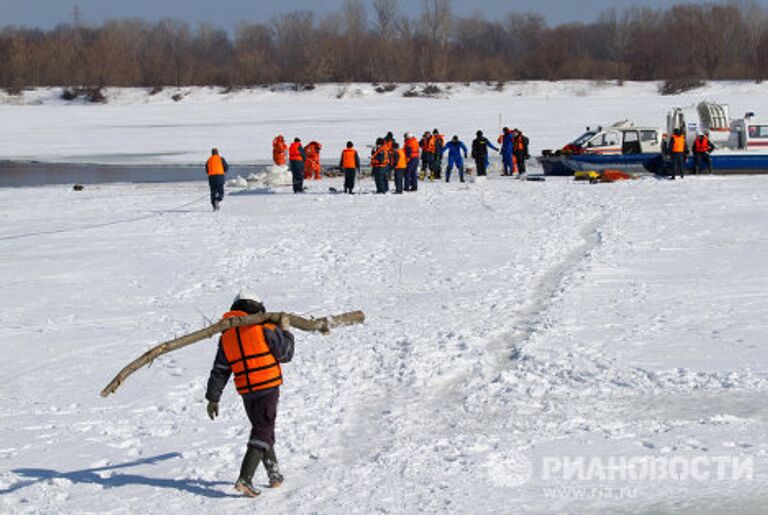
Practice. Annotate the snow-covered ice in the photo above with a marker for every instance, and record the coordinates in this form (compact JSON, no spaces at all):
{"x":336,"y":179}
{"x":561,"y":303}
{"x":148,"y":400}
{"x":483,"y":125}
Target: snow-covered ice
{"x":510,"y":326}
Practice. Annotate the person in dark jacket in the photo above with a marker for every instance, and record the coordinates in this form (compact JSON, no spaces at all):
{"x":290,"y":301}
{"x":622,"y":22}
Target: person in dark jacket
{"x":437,"y":164}
{"x":216,"y":167}
{"x":480,"y":153}
{"x":350,"y":165}
{"x":678,"y":149}
{"x":702,"y":146}
{"x":455,"y":148}
{"x":253,"y":353}
{"x":297,"y":156}
{"x":427,"y":155}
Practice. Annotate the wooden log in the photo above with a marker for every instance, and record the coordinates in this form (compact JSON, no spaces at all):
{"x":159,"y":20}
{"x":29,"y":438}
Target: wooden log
{"x":321,"y":325}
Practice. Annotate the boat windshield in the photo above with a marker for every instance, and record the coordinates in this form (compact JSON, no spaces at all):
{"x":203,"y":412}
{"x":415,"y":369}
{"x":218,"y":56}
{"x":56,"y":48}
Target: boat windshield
{"x":581,"y":140}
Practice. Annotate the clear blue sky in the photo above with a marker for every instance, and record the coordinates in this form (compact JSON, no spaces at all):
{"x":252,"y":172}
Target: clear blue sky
{"x":228,"y":13}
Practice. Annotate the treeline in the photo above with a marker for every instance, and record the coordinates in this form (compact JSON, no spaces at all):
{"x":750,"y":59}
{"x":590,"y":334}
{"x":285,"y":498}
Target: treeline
{"x":428,"y":43}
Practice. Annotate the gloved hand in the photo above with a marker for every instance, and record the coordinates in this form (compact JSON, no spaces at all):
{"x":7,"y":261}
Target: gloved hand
{"x":213,"y":409}
{"x":285,"y":322}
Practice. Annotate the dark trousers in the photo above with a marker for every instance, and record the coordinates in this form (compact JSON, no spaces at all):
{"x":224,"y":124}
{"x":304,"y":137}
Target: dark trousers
{"x":678,"y":164}
{"x":481,"y":164}
{"x":427,"y":159}
{"x":262,"y":412}
{"x":699,"y":158}
{"x":380,"y":178}
{"x":399,"y":179}
{"x":297,"y":170}
{"x":520,"y":158}
{"x":216,"y":183}
{"x":411,"y":175}
{"x":349,"y":179}
{"x":509,"y":164}
{"x":437,"y":167}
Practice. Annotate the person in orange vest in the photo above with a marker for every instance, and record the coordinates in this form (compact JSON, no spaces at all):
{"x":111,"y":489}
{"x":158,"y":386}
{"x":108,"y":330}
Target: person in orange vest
{"x":350,"y":165}
{"x":519,"y":150}
{"x":427,"y":146}
{"x":216,"y":167}
{"x":411,"y":147}
{"x":401,"y":164}
{"x":438,"y":142}
{"x":702,"y":146}
{"x":380,"y":166}
{"x":312,"y":164}
{"x":253,"y":354}
{"x":678,"y":149}
{"x":296,"y":155}
{"x":278,"y":150}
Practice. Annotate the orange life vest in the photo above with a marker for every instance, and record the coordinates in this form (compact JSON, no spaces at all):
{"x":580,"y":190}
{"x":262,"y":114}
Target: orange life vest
{"x":380,"y":158}
{"x":215,"y":166}
{"x":431,"y":144}
{"x":678,"y":144}
{"x":348,"y":160}
{"x":402,"y":161}
{"x":293,"y":152}
{"x":249,"y":357}
{"x":701,"y":144}
{"x":412,"y":147}
{"x":519,"y":143}
{"x":439,"y":142}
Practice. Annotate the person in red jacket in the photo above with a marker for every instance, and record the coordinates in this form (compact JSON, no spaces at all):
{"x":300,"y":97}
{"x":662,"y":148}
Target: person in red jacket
{"x":253,"y":354}
{"x":278,"y":150}
{"x":312,"y":164}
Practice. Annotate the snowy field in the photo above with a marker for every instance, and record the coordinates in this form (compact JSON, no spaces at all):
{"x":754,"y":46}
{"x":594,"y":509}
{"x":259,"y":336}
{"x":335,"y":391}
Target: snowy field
{"x":513,"y":328}
{"x":135,"y":128}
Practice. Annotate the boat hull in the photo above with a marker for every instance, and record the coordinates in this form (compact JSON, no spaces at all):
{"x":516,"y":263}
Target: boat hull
{"x":722,"y":164}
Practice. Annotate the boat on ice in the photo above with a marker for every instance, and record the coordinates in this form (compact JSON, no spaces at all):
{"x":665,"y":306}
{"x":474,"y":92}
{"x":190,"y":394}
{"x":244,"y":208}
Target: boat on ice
{"x":741,"y":145}
{"x":622,"y":146}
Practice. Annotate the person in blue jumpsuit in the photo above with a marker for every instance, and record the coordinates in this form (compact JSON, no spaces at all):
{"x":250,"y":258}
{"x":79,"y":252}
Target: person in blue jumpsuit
{"x":507,"y":151}
{"x":455,"y":149}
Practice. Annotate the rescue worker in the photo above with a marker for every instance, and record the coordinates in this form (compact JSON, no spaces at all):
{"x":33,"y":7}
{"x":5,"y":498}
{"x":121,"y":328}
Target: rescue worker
{"x":427,"y":146}
{"x":678,"y":149}
{"x":507,"y":151}
{"x":389,"y":140}
{"x":438,"y":144}
{"x":702,"y":147}
{"x":401,"y":163}
{"x":216,"y":167}
{"x":253,"y":354}
{"x":520,"y":150}
{"x":350,"y":165}
{"x":380,"y":165}
{"x":455,"y":148}
{"x":412,"y":155}
{"x":297,"y":156}
{"x":278,"y":150}
{"x":480,"y":153}
{"x":312,"y":161}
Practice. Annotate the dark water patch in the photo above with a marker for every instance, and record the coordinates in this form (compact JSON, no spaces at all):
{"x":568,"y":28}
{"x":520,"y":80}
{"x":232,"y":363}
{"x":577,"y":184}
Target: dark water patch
{"x":18,"y":174}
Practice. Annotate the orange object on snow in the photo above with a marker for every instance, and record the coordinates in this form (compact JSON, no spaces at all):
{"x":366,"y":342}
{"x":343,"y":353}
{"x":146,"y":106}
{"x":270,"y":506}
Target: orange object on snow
{"x":312,"y":164}
{"x":614,"y":175}
{"x":278,"y":150}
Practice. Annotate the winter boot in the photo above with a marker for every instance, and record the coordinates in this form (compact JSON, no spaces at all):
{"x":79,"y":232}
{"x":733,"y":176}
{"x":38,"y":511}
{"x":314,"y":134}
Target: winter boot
{"x":270,"y":463}
{"x":251,"y":460}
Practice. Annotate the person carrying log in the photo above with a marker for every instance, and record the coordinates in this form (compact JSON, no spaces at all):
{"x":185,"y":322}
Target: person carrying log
{"x":253,"y":353}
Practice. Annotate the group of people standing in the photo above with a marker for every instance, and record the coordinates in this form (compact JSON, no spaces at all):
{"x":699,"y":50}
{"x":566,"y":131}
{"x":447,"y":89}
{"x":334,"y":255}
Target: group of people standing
{"x":399,"y":163}
{"x":390,"y":161}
